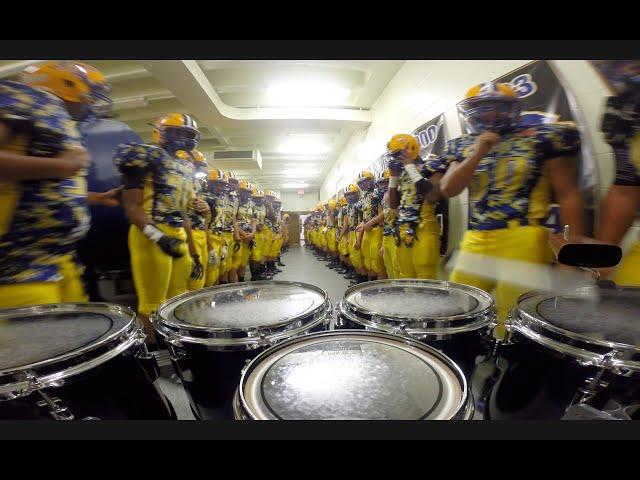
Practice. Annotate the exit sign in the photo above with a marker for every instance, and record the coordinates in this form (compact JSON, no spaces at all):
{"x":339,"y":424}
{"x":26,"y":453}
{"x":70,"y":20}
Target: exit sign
{"x":301,"y":191}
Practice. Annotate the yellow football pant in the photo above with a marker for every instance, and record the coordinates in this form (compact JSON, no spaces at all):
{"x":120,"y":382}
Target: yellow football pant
{"x":391,"y":256}
{"x":200,"y":242}
{"x":226,"y":265}
{"x":343,"y":245}
{"x":332,"y":244}
{"x":525,"y":244}
{"x":420,"y":260}
{"x":355,"y":256}
{"x":156,"y":275}
{"x":213,"y":271}
{"x":276,"y":246}
{"x":69,"y":289}
{"x":371,"y":243}
{"x":257,"y":254}
{"x":628,"y":272}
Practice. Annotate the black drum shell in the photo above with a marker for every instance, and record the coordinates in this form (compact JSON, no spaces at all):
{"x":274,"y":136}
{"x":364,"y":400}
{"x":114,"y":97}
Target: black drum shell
{"x":210,"y":376}
{"x":123,"y":388}
{"x":537,"y":383}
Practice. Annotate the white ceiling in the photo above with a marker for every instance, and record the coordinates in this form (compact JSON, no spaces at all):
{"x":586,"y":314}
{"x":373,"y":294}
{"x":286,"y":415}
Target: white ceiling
{"x":230,"y":101}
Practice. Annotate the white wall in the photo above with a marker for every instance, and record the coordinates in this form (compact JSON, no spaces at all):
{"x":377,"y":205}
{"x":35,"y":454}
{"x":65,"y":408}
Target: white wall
{"x":292,"y":202}
{"x":422,"y":90}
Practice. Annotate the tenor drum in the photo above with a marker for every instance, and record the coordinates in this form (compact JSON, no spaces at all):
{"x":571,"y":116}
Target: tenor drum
{"x":456,"y":319}
{"x":352,"y":375}
{"x":565,"y":349}
{"x":77,"y":361}
{"x":213,"y":332}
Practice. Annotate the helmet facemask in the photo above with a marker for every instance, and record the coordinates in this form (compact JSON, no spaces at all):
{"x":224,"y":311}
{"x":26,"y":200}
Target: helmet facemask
{"x":179,"y":138}
{"x":489,"y":115}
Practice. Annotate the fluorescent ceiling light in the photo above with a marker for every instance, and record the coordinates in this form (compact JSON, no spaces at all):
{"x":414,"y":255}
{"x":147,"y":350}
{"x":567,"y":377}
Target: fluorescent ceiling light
{"x":306,"y":94}
{"x":301,"y":173}
{"x":304,"y":146}
{"x":125,"y":103}
{"x":295,"y":185}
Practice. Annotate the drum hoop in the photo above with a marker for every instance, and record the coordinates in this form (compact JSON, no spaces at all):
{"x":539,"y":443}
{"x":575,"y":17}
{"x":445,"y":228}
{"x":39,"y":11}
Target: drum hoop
{"x":25,"y":379}
{"x":560,"y":339}
{"x":245,"y":335}
{"x":444,"y":325}
{"x":464,"y":410}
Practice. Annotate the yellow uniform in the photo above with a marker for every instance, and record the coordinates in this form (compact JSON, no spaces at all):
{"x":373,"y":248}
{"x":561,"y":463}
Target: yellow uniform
{"x":262,"y":236}
{"x":216,"y":203}
{"x":229,"y":214}
{"x":418,"y":251}
{"x":354,"y":214}
{"x":244,"y":216}
{"x":503,"y":221}
{"x":199,"y":231}
{"x":41,"y":221}
{"x":343,"y":245}
{"x":372,"y":239}
{"x":388,"y":239}
{"x":167,"y":194}
{"x":331,"y":232}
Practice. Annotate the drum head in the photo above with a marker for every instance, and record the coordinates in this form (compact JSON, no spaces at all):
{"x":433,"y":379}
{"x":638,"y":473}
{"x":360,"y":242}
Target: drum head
{"x":609,"y":316}
{"x":437,"y":304}
{"x":243,"y":306}
{"x":35,"y":336}
{"x":355,"y":375}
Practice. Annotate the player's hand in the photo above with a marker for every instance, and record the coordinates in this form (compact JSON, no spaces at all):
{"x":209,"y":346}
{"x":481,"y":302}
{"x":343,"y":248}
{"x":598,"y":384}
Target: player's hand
{"x":395,"y":167}
{"x":485,"y":142}
{"x":172,"y":246}
{"x":367,"y":227}
{"x":381,"y":252}
{"x":201,"y":207}
{"x":360,"y":227}
{"x":110,"y":198}
{"x":71,"y":161}
{"x":197,"y":272}
{"x":358,"y":244}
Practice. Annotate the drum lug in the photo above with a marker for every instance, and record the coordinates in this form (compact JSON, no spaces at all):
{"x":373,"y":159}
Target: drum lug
{"x":400,"y":329}
{"x":57,"y":410}
{"x":144,"y":353}
{"x":173,"y":339}
{"x":176,"y":353}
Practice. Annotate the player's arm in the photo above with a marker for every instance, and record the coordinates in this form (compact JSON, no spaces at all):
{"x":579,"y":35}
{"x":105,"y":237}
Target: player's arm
{"x":16,"y":167}
{"x":620,"y":203}
{"x":618,"y":212}
{"x":460,"y":173}
{"x":563,"y":177}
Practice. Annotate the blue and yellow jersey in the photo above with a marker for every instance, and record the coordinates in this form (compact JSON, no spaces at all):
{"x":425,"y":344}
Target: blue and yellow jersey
{"x":389,"y":216}
{"x":507,"y":181}
{"x":229,"y":212}
{"x":217,"y":203}
{"x":369,"y":203}
{"x":413,"y":206}
{"x":40,"y":220}
{"x":340,"y":216}
{"x":166,"y":181}
{"x":198,"y":221}
{"x":354,"y":214}
{"x":245,"y":215}
{"x":260,"y":212}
